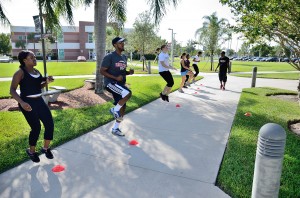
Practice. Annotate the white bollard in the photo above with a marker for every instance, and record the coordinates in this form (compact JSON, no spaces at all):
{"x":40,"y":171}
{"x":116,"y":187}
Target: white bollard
{"x":268,"y":161}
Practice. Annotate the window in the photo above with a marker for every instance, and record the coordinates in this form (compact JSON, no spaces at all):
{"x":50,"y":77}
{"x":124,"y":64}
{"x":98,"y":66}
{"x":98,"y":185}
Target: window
{"x":90,"y":37}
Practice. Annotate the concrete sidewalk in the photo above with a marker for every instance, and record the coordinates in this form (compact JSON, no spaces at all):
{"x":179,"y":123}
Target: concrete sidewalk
{"x":179,"y":152}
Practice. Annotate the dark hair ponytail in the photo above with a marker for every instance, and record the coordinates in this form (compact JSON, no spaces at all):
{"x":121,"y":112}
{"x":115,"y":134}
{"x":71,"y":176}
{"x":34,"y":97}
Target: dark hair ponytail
{"x":23,"y":55}
{"x":183,"y":54}
{"x":163,"y":46}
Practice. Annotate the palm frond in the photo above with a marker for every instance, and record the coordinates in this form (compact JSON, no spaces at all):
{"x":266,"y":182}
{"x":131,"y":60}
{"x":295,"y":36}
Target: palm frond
{"x":3,"y":19}
{"x":158,"y":8}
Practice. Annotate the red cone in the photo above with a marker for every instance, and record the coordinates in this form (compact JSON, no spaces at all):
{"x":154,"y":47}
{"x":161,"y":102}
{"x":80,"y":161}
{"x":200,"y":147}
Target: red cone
{"x":178,"y":105}
{"x":133,"y":142}
{"x":248,"y":114}
{"x":58,"y":168}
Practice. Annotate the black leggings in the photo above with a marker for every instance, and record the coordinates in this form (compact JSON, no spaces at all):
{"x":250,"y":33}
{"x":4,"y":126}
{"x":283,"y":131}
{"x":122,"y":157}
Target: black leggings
{"x":39,"y":112}
{"x":196,"y":68}
{"x":167,"y":76}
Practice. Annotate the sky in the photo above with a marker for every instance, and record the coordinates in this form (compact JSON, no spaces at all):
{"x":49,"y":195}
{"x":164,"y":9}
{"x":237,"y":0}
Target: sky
{"x":185,"y":19}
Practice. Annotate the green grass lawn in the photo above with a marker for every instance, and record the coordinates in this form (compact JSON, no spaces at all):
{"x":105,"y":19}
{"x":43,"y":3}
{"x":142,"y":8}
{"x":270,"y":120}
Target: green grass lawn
{"x":87,"y":68}
{"x":60,"y":68}
{"x":236,"y":172}
{"x":288,"y":76}
{"x":69,"y":83}
{"x":70,"y":123}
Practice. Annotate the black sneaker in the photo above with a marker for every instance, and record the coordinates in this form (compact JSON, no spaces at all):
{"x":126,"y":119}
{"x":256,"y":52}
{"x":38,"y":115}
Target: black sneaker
{"x":162,"y":96}
{"x":167,"y":98}
{"x":47,"y":152}
{"x":185,"y":87}
{"x":33,"y":156}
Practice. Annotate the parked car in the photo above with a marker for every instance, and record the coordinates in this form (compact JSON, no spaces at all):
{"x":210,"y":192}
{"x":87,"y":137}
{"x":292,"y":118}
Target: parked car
{"x":81,"y":59}
{"x":6,"y":59}
{"x":295,"y":60}
{"x":272,"y":59}
{"x":285,"y":60}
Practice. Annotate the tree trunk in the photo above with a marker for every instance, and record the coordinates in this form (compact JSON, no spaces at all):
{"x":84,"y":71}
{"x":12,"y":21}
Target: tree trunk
{"x":299,"y":92}
{"x":212,"y":61}
{"x":100,"y":18}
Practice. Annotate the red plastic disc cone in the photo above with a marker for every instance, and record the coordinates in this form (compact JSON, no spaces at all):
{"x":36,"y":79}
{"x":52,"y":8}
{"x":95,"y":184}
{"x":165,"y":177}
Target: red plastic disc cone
{"x":58,"y":168}
{"x":133,"y":142}
{"x":196,"y":92}
{"x":248,"y":114}
{"x":178,"y":105}
{"x":198,"y":88}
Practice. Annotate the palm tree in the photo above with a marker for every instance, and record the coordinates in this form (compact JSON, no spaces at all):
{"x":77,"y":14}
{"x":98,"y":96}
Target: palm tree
{"x":211,"y":32}
{"x":116,"y":13}
{"x":3,"y":19}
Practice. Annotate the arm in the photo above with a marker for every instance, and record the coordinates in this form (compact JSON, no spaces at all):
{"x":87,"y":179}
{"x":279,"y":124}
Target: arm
{"x":49,"y":79}
{"x":217,"y":67}
{"x":13,"y":87}
{"x":166,"y":66}
{"x":103,"y":71}
{"x":183,"y":65}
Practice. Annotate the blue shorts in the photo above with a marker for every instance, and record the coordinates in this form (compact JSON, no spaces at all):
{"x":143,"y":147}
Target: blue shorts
{"x":118,"y":91}
{"x":184,"y":73}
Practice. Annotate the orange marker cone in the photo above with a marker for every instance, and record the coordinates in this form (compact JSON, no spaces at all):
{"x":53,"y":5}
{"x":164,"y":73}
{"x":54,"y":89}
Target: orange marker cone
{"x":248,"y":114}
{"x":58,"y":168}
{"x":133,"y":142}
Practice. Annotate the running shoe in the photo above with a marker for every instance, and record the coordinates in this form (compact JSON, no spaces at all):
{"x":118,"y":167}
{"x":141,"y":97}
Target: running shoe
{"x":162,"y":96}
{"x":185,"y":86}
{"x":47,"y":152}
{"x":167,"y":98}
{"x":33,"y":156}
{"x":116,"y":114}
{"x":180,"y":90}
{"x":117,"y":132}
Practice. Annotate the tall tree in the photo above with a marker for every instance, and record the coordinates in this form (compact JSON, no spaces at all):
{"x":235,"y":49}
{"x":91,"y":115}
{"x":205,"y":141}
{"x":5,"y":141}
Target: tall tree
{"x":32,"y":39}
{"x":143,"y":34}
{"x":275,"y":20}
{"x":213,"y":33}
{"x":5,"y":46}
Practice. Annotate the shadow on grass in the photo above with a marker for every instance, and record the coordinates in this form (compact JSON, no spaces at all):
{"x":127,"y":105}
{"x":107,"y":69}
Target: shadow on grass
{"x":237,"y":168}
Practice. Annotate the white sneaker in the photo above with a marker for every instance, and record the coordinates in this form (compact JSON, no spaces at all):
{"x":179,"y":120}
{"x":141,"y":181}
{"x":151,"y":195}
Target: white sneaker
{"x":117,"y":132}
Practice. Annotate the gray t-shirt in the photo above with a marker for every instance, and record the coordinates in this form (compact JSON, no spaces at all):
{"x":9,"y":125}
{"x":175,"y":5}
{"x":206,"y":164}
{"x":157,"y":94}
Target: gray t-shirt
{"x":116,"y":65}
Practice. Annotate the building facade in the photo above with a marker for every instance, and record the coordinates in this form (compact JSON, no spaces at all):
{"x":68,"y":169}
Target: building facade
{"x":71,"y":43}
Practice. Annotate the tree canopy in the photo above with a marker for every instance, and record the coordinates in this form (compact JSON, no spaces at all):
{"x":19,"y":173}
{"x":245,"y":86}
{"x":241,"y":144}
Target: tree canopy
{"x":5,"y":46}
{"x":273,"y":20}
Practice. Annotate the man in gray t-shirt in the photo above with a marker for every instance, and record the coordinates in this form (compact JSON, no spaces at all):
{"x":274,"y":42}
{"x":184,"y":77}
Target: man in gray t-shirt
{"x":113,"y":68}
{"x":116,"y":65}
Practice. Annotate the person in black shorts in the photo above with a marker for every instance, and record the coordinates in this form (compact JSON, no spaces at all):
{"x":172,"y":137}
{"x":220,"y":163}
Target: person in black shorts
{"x":163,"y":69}
{"x":196,"y":60}
{"x":32,"y":104}
{"x":224,"y":66}
{"x":113,"y":68}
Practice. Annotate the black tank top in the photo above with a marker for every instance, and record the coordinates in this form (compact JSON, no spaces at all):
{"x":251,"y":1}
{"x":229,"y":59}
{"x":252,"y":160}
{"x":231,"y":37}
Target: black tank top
{"x":30,"y":85}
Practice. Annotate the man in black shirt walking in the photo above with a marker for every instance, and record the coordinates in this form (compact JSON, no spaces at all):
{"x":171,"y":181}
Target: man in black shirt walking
{"x":224,"y":66}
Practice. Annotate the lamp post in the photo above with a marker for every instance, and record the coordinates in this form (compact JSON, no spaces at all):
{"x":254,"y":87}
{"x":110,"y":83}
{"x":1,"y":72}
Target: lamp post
{"x":172,"y":44}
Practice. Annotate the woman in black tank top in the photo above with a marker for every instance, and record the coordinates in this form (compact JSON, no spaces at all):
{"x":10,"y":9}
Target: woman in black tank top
{"x":32,"y":104}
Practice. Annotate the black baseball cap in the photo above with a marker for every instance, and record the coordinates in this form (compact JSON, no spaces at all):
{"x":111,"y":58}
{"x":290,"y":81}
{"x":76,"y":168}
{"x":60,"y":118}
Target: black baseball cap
{"x":117,"y":39}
